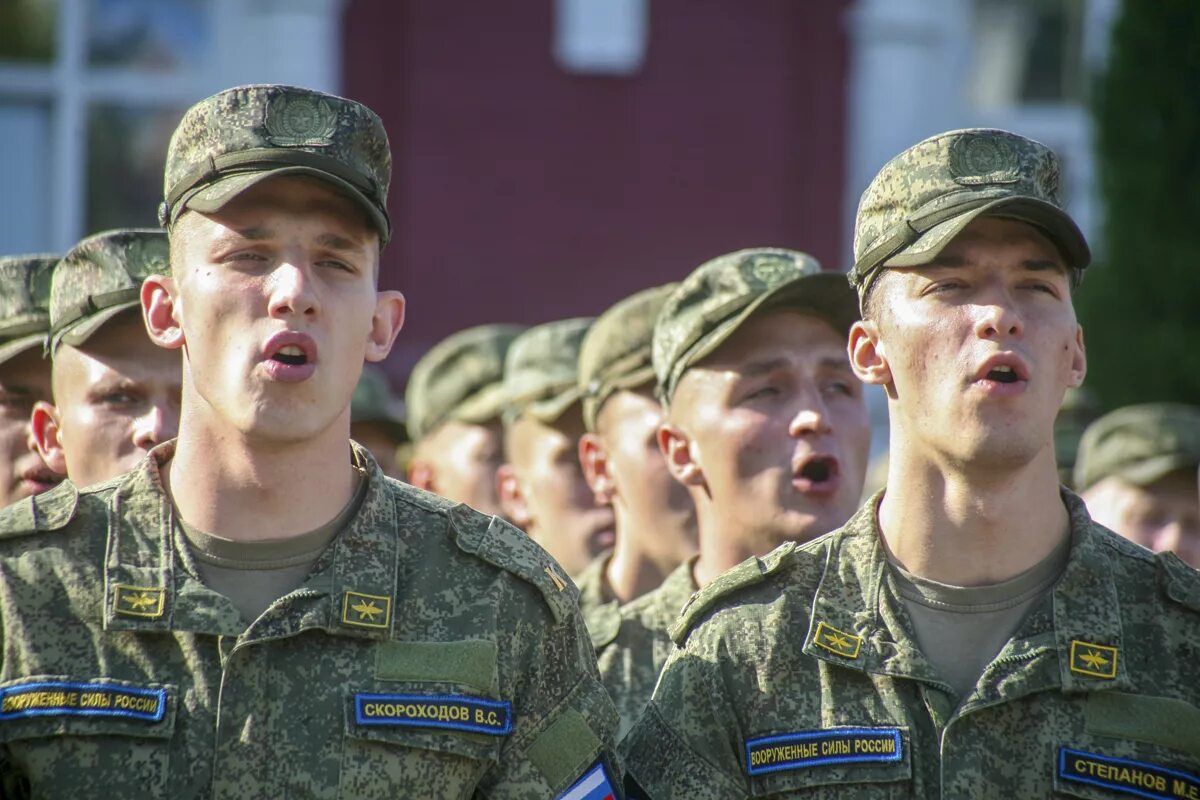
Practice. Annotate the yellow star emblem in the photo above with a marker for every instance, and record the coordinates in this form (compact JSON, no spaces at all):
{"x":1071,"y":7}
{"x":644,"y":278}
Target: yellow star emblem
{"x":1093,"y":660}
{"x":141,"y":601}
{"x":366,"y":610}
{"x":836,"y":641}
{"x":138,"y":601}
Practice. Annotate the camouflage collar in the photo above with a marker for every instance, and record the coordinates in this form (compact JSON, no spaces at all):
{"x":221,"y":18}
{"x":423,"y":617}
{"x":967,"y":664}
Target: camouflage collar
{"x":151,"y":583}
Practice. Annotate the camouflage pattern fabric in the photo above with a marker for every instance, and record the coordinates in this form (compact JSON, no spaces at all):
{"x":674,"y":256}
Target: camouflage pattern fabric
{"x":230,"y":141}
{"x":431,"y":650}
{"x":591,"y":583}
{"x":1140,"y":443}
{"x":720,"y":295}
{"x":798,"y":675}
{"x":373,"y":401}
{"x":925,"y":196}
{"x":101,"y":277}
{"x":632,"y":650}
{"x":541,"y":370}
{"x":460,"y":378}
{"x":24,"y":303}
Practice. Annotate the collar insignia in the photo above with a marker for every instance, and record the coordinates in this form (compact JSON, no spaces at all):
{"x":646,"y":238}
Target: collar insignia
{"x":138,"y":601}
{"x":366,"y":610}
{"x":559,"y":583}
{"x":837,"y":642}
{"x":1093,"y":660}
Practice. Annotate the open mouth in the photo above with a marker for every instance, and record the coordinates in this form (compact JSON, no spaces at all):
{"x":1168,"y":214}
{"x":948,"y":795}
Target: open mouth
{"x":1003,"y":375}
{"x":819,"y":469}
{"x":291,"y":355}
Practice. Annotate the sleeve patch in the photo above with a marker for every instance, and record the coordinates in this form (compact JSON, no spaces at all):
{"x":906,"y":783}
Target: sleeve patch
{"x":826,"y":746}
{"x":596,"y":784}
{"x":1126,"y":776}
{"x":82,"y":699}
{"x":454,"y":712}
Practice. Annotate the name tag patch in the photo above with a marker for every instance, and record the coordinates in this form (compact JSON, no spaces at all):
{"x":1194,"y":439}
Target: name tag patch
{"x":57,"y":698}
{"x":594,"y":785}
{"x":1127,"y":776}
{"x":825,"y":746}
{"x":456,"y":712}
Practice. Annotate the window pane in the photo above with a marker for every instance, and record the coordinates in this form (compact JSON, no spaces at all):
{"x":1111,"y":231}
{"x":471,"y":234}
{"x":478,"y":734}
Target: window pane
{"x":27,"y":30}
{"x":152,"y":34}
{"x":1027,"y":51}
{"x":127,"y":148}
{"x":25,"y":187}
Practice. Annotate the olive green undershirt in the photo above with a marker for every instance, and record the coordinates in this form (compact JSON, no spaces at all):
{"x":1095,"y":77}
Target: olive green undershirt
{"x":255,"y":574}
{"x":960,"y":629}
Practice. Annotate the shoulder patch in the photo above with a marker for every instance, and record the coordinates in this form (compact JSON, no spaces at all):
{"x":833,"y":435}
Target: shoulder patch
{"x":1179,"y":582}
{"x":48,"y":511}
{"x":752,"y":571}
{"x":501,"y":545}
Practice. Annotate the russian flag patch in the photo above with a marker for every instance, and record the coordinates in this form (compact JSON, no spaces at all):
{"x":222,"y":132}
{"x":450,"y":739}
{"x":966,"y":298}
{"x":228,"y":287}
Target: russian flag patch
{"x":594,"y":785}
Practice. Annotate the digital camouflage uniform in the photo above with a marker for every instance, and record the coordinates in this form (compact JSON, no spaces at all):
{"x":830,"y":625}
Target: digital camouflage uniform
{"x":431,"y":651}
{"x":1141,"y":444}
{"x":541,"y":370}
{"x":373,"y":402}
{"x":24,"y":303}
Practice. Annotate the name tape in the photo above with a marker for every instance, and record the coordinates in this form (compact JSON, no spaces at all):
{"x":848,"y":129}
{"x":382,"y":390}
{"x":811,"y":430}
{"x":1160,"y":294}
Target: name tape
{"x":457,"y":712}
{"x":826,"y":746}
{"x":90,"y":699}
{"x":1126,"y":776}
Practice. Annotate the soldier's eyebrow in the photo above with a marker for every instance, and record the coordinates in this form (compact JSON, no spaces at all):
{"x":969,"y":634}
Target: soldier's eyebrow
{"x":1042,"y":265}
{"x":335,"y":242}
{"x":763,"y":366}
{"x":254,"y":234}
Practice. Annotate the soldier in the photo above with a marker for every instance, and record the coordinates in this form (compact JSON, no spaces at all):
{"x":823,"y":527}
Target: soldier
{"x":766,"y":427}
{"x":256,"y":610}
{"x":455,"y":398}
{"x":655,"y":521}
{"x":541,"y":485}
{"x":1136,"y":471}
{"x":24,"y":373}
{"x":970,"y":632}
{"x":116,"y":393}
{"x":377,"y":420}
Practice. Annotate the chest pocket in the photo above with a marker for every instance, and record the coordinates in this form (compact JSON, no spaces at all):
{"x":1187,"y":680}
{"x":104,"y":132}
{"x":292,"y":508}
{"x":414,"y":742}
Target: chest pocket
{"x":426,"y":735}
{"x":831,"y":763}
{"x":66,"y":737}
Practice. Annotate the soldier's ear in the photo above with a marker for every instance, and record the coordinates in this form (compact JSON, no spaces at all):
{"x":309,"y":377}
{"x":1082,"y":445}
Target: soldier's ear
{"x":421,"y":474}
{"x":594,"y":460}
{"x":385,"y":324}
{"x":46,"y":436}
{"x":868,"y":357}
{"x":1078,"y":360}
{"x":161,"y":312}
{"x":683,"y":458}
{"x":512,"y":497}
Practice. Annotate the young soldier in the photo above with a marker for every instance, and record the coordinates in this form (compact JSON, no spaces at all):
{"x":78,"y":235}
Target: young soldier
{"x":655,"y":520}
{"x":1136,"y":471}
{"x":766,"y":427}
{"x":116,"y":393}
{"x":454,"y":402}
{"x":541,"y":487}
{"x":970,"y":632}
{"x":24,"y":373}
{"x":256,"y":610}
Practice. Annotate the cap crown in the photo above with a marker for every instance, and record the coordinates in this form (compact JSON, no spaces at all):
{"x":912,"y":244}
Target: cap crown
{"x":25,"y":294}
{"x":1140,"y":443}
{"x":541,"y":368}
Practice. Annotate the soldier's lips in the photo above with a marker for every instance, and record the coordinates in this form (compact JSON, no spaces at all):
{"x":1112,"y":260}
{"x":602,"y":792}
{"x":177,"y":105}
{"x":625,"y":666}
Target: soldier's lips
{"x":290,"y":356}
{"x":817,"y":475}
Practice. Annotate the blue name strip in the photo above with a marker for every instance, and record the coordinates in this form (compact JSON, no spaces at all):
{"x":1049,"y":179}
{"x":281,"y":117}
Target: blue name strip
{"x":1127,"y":776}
{"x":457,"y":712}
{"x":90,"y":699}
{"x":824,"y":746}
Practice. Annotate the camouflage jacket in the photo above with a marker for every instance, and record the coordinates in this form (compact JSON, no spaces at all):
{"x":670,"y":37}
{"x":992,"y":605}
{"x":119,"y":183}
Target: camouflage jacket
{"x":798,"y":676}
{"x":432,"y":652}
{"x":632,"y":645}
{"x":592,"y":603}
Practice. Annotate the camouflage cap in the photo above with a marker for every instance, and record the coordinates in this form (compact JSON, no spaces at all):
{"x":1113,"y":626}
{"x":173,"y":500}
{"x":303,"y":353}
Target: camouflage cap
{"x":24,"y":303}
{"x":460,"y":378}
{"x":374,"y":401}
{"x":925,"y":196}
{"x":101,"y":277}
{"x":615,"y":354}
{"x":541,"y":369}
{"x":713,"y":302}
{"x":1139,"y":443}
{"x":229,"y":142}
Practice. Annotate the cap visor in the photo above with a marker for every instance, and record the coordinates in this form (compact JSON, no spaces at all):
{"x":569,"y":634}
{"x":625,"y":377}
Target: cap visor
{"x":16,"y":347}
{"x":1056,"y":224}
{"x":81,"y":331}
{"x":551,"y":409}
{"x":214,"y":196}
{"x":484,"y":406}
{"x":1149,"y":470}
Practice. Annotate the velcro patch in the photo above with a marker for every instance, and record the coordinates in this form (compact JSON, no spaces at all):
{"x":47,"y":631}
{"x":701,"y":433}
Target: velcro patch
{"x":456,"y":712}
{"x":84,"y":699}
{"x":825,"y":746}
{"x":594,"y":785}
{"x":1127,"y":776}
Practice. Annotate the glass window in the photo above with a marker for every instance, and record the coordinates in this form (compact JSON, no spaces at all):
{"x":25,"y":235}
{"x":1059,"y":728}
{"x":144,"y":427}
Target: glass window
{"x":126,"y":151}
{"x":148,"y":34}
{"x":27,"y":30}
{"x":1027,"y":52}
{"x":25,"y":164}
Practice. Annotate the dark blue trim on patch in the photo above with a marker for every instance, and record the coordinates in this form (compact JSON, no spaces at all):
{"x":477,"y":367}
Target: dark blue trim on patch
{"x":825,"y":746}
{"x":1126,"y":775}
{"x":67,"y":698}
{"x":456,"y":712}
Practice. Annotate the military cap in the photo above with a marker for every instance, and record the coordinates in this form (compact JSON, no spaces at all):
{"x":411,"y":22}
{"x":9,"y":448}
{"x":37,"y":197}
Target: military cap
{"x":101,"y":277}
{"x":713,"y":302}
{"x":928,"y":194}
{"x":541,"y":370}
{"x":24,"y":303}
{"x":1140,"y":443}
{"x":229,"y":142}
{"x":460,"y":378}
{"x":615,"y":354}
{"x":373,"y":401}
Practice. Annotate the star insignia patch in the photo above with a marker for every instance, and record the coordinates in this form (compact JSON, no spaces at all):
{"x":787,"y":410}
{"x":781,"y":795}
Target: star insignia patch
{"x":138,"y":601}
{"x":366,"y":610}
{"x":837,"y":642}
{"x":1093,"y":660}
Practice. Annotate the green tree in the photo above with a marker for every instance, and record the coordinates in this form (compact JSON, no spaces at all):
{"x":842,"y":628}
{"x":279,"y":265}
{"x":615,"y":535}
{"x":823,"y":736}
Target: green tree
{"x":1140,"y":303}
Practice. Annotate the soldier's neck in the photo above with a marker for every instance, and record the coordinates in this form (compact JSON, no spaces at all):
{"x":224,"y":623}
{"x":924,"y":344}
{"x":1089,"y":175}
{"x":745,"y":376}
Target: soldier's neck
{"x":637,"y":566}
{"x":238,"y":488}
{"x":971,"y":529}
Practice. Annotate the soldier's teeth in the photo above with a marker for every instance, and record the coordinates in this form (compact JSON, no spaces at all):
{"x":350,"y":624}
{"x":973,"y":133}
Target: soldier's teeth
{"x":291,"y":350}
